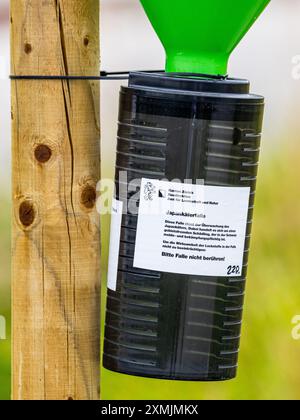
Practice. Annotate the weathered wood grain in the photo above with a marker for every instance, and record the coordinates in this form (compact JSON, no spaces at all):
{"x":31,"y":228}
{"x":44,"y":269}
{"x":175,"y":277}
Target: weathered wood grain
{"x":56,"y":165}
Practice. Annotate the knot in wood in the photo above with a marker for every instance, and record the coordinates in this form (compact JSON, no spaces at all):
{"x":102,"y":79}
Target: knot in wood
{"x":42,"y":153}
{"x":26,"y":213}
{"x":27,"y":48}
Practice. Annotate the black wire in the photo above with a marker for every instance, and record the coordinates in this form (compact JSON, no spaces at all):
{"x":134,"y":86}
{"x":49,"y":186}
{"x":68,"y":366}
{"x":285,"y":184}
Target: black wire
{"x":104,"y":75}
{"x":28,"y":77}
{"x":117,"y":75}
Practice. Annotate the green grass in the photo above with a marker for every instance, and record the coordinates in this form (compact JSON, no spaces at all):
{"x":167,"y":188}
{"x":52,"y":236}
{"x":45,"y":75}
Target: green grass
{"x":269,"y":362}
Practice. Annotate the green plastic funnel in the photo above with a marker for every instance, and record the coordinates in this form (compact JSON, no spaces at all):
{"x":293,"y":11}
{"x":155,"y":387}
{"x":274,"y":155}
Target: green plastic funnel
{"x":200,"y":35}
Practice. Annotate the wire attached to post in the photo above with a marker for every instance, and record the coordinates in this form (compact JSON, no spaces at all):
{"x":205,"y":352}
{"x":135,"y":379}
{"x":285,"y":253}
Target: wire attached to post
{"x":117,"y":75}
{"x":104,"y":75}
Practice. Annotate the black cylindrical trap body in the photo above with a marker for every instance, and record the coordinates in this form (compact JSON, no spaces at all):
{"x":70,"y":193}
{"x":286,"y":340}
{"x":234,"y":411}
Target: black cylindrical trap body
{"x":163,"y":324}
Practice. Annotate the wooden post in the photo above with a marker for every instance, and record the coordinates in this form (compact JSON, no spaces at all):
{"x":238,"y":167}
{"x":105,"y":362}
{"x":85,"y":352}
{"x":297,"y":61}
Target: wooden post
{"x":56,"y":165}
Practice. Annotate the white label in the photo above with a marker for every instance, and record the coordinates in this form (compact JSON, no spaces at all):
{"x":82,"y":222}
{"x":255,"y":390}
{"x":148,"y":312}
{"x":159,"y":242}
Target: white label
{"x":114,"y":247}
{"x":191,"y":229}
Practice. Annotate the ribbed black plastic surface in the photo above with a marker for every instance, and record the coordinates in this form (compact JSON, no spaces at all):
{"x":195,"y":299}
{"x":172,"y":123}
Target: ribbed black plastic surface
{"x":178,"y":326}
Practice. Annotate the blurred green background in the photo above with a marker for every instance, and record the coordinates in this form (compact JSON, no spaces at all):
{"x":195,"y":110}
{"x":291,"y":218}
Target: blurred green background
{"x":269,"y":358}
{"x":5,"y":295}
{"x":269,"y":362}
